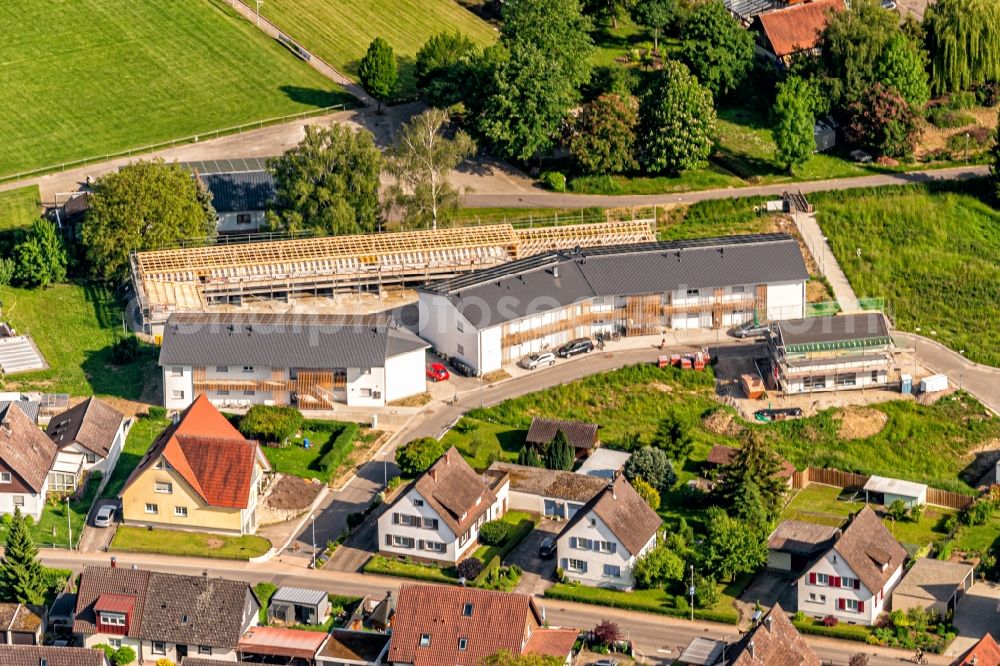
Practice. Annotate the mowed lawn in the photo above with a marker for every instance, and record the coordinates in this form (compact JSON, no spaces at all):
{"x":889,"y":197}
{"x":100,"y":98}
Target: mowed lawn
{"x":19,"y":207}
{"x":931,"y":252}
{"x":339,"y":31}
{"x":82,"y":79}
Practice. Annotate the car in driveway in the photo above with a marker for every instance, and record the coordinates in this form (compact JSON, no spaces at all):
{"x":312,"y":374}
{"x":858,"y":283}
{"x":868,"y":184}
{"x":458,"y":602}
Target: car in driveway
{"x":574,"y":347}
{"x":537,"y":360}
{"x":750,"y":329}
{"x":436,"y":372}
{"x":547,"y":549}
{"x":104,"y":516}
{"x":605,"y":662}
{"x":463,"y":368}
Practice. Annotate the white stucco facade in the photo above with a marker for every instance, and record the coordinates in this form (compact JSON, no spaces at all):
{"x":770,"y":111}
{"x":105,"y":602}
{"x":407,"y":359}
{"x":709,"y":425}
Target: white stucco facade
{"x":590,"y":554}
{"x":31,"y":504}
{"x":830,"y":587}
{"x":240,"y":222}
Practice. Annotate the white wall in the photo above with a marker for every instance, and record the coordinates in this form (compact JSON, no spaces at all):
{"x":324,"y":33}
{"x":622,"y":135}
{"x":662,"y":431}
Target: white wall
{"x":826,"y":597}
{"x":786,"y":300}
{"x":405,"y":375}
{"x":362,"y":386}
{"x":227,"y":222}
{"x":593,"y":528}
{"x":33,"y":504}
{"x":862,"y":379}
{"x":183,"y":383}
{"x":439,"y":325}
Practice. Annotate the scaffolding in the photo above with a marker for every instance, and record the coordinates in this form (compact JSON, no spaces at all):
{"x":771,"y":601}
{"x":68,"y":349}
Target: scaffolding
{"x":190,"y":279}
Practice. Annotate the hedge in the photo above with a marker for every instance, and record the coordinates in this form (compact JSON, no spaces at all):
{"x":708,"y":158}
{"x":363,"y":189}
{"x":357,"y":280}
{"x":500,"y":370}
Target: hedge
{"x":338,"y":448}
{"x":847,"y":632}
{"x":601,"y":597}
{"x":386,"y":567}
{"x":271,"y":423}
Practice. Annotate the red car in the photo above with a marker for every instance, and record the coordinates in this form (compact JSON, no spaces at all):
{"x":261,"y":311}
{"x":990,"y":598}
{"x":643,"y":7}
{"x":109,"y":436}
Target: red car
{"x":436,"y":372}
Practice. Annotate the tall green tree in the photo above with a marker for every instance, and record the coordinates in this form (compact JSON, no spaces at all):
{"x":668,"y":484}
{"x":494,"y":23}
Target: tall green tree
{"x":602,"y":140}
{"x":717,"y":49}
{"x":41,"y":256}
{"x":794,"y":123}
{"x":903,"y":67}
{"x":560,"y":454}
{"x":853,"y":43}
{"x":329,"y":182}
{"x":676,"y":122}
{"x":416,"y":456}
{"x":141,"y":206}
{"x":534,"y":75}
{"x":607,"y":11}
{"x":420,"y":160}
{"x":22,"y":577}
{"x":732,"y":546}
{"x":439,"y":54}
{"x":964,"y":43}
{"x":658,"y":568}
{"x":652,"y":466}
{"x":753,"y":469}
{"x":883,"y":122}
{"x":655,"y":15}
{"x":377,"y":71}
{"x":673,"y":437}
{"x":528,"y":456}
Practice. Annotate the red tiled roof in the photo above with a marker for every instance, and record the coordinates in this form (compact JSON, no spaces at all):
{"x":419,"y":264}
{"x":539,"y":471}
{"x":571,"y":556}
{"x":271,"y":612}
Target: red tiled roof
{"x":799,"y":27}
{"x":551,"y":642}
{"x":115,"y":603}
{"x":282,"y":642}
{"x":24,"y":448}
{"x":773,"y":642}
{"x":984,"y":653}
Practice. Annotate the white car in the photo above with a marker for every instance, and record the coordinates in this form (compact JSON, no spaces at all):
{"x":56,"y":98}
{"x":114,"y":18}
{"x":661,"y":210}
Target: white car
{"x":532,"y":361}
{"x":104,"y":516}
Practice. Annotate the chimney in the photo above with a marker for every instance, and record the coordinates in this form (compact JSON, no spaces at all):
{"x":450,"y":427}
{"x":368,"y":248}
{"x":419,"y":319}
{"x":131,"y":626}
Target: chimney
{"x":135,"y":567}
{"x":114,"y":562}
{"x":204,"y":573}
{"x":751,"y":650}
{"x":433,"y":473}
{"x":614,"y":493}
{"x":555,"y":272}
{"x":767,"y":622}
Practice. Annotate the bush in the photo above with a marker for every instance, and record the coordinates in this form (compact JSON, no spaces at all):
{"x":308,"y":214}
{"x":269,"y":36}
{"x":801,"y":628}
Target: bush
{"x":336,"y":450}
{"x":988,"y":94}
{"x":897,"y":510}
{"x":157,"y":413}
{"x":961,"y":100}
{"x":418,"y":455}
{"x":681,"y":603}
{"x":799,"y":616}
{"x":916,"y":511}
{"x":125,"y":350}
{"x":978,"y":514}
{"x":944,"y":118}
{"x":554,"y":181}
{"x":271,"y":423}
{"x":494,"y":532}
{"x":830,"y":621}
{"x":470,"y":568}
{"x":7,"y":269}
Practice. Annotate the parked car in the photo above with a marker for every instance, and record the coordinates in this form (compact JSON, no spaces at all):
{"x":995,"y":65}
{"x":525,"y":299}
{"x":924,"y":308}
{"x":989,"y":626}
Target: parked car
{"x":104,"y":516}
{"x":751,"y":329}
{"x":888,"y":4}
{"x":436,"y":372}
{"x":574,"y":347}
{"x":605,"y":662}
{"x":547,"y":548}
{"x":463,"y":368}
{"x":538,"y":359}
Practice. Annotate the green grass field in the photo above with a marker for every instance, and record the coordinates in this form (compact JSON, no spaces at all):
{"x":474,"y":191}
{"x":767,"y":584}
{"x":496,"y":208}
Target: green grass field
{"x":19,"y":208}
{"x":297,"y":460}
{"x":188,"y":544}
{"x":339,"y":31}
{"x":82,"y":79}
{"x":930,"y":252}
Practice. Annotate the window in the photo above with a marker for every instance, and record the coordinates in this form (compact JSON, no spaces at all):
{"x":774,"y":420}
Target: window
{"x":91,"y":458}
{"x":113,"y":619}
{"x":18,"y":500}
{"x":242,"y":218}
{"x":402,"y":542}
{"x":152,"y":508}
{"x":366,"y":393}
{"x":850,"y":582}
{"x":852,"y":605}
{"x":431,"y":523}
{"x":223,"y":392}
{"x":418,"y":502}
{"x":222,"y":368}
{"x":425,"y":640}
{"x":409,"y":521}
{"x":612,"y":571}
{"x":249,"y":392}
{"x":365,"y":371}
{"x":693,"y":292}
{"x":459,"y":326}
{"x":607,"y":547}
{"x":158,"y":647}
{"x":204,"y":649}
{"x":115,"y":642}
{"x":434,"y":546}
{"x":817,"y":598}
{"x":4,"y":477}
{"x":464,"y":538}
{"x":738,"y":289}
{"x":461,"y":350}
{"x":177,"y":371}
{"x":248,"y":368}
{"x":467,"y":610}
{"x":181,"y":511}
{"x":176,"y":394}
{"x":577,"y":565}
{"x":849,"y":379}
{"x":874,"y":376}
{"x":463,"y":644}
{"x":163,"y":488}
{"x":584,"y":544}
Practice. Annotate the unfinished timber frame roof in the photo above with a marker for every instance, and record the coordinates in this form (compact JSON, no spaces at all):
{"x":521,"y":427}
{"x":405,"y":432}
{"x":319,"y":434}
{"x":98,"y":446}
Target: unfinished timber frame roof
{"x":186,"y":279}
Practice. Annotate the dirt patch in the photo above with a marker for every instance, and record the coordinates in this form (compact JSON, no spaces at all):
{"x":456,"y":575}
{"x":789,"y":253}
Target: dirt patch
{"x":722,"y":423}
{"x":860,"y":422}
{"x":933,"y":138}
{"x":662,"y":388}
{"x":291,"y":493}
{"x":214,"y":543}
{"x":127,"y":407}
{"x":981,"y":471}
{"x":368,"y":442}
{"x":818,"y":292}
{"x":496,"y":376}
{"x":418,"y":400}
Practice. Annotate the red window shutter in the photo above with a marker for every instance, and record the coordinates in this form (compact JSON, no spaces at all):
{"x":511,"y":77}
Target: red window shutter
{"x":812,"y":579}
{"x":840,"y":604}
{"x":861,"y":607}
{"x":836,"y":581}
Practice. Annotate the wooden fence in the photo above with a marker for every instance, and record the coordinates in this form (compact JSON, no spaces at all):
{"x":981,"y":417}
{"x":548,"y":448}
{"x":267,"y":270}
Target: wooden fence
{"x":839,"y":479}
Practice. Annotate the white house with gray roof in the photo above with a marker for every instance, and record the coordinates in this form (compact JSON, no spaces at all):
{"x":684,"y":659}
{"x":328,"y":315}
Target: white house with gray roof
{"x":493,"y":317}
{"x":307,"y":361}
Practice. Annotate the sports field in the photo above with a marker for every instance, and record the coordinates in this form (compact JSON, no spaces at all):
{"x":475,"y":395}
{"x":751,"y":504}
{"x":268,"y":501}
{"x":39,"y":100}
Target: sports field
{"x":81,"y":79}
{"x":19,"y":207}
{"x":339,"y":31}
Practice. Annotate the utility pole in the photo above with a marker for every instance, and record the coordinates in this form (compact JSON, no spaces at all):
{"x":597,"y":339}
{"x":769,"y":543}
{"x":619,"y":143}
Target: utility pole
{"x":691,"y":590}
{"x":69,"y":523}
{"x":314,"y":541}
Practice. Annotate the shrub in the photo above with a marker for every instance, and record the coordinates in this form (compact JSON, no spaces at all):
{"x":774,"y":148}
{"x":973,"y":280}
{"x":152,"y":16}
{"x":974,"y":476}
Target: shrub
{"x":830,"y":621}
{"x":494,"y":532}
{"x":978,"y":514}
{"x":988,"y":94}
{"x":916,"y":511}
{"x":157,"y":413}
{"x":799,"y":616}
{"x":125,"y":350}
{"x":418,"y":455}
{"x":271,"y":423}
{"x":681,"y":603}
{"x":336,"y":450}
{"x":7,"y":269}
{"x":554,"y":181}
{"x":961,"y":100}
{"x":608,"y":633}
{"x":470,"y":568}
{"x":897,"y":510}
{"x":163,"y":661}
{"x":944,"y":118}
{"x":945,"y":549}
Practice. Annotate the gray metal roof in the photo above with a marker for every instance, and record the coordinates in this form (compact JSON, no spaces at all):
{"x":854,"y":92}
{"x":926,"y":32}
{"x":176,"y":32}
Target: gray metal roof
{"x":836,"y":330}
{"x":299,"y":595}
{"x":554,"y":280}
{"x":245,"y":191}
{"x":284,"y":341}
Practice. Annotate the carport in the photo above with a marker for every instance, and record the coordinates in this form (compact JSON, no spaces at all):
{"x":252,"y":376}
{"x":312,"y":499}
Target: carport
{"x":883,"y":490}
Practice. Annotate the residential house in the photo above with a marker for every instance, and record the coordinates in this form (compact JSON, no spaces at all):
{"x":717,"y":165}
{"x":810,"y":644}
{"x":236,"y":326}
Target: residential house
{"x":26,"y":458}
{"x":50,"y":655}
{"x":199,"y":474}
{"x":493,"y":317}
{"x":240,"y":199}
{"x":353,"y":648}
{"x":786,"y":32}
{"x":835,"y":353}
{"x":92,"y":429}
{"x":31,"y":407}
{"x":773,"y":642}
{"x":794,"y":544}
{"x":164,"y":616}
{"x":295,"y":605}
{"x":438,"y":516}
{"x":307,"y":361}
{"x":602,"y":541}
{"x":21,"y":625}
{"x":460,"y":626}
{"x":581,"y":436}
{"x":935,"y":585}
{"x":604,"y":463}
{"x":720,"y":456}
{"x":883,"y":490}
{"x":854,"y":579}
{"x":986,"y":651}
{"x":548,"y":492}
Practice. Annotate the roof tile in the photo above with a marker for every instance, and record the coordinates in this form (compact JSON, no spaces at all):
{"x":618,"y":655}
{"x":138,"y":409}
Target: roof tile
{"x":24,"y":448}
{"x":799,"y":27}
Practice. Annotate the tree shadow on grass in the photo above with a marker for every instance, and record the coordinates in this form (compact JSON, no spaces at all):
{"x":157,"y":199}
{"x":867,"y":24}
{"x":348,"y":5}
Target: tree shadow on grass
{"x":319,"y":98}
{"x":512,"y":441}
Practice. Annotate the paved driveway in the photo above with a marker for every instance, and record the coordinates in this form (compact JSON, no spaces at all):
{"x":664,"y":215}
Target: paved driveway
{"x":975,"y":615}
{"x":538,"y":573}
{"x":97,"y":539}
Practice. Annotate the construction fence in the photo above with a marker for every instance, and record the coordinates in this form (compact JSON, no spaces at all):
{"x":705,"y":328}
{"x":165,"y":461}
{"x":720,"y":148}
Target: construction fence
{"x":840,"y":479}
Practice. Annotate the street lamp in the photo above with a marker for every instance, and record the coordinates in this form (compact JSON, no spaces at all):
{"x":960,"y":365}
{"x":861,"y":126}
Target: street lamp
{"x":314,"y":541}
{"x":69,"y":523}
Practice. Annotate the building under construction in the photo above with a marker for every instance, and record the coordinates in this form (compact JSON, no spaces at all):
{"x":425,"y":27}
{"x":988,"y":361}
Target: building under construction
{"x":194,"y":279}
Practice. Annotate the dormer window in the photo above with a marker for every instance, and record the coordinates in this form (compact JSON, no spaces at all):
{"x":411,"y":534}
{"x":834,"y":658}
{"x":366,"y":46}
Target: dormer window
{"x":113,"y":619}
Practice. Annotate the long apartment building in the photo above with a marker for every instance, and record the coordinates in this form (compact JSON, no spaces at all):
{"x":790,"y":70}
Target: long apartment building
{"x":493,"y":317}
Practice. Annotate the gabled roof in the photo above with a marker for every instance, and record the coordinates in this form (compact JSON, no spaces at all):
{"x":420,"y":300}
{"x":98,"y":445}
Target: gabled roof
{"x":282,"y":642}
{"x":870,"y":550}
{"x":882,"y":484}
{"x":553,"y":483}
{"x":20,"y":618}
{"x":92,"y":424}
{"x":551,"y":642}
{"x":454,"y":491}
{"x":33,"y":655}
{"x":497,"y":621}
{"x":724,"y":455}
{"x":24,"y":448}
{"x":624,"y":512}
{"x":797,"y":28}
{"x":774,"y":642}
{"x":209,"y":454}
{"x":796,"y":536}
{"x":236,"y":192}
{"x":579,"y":434}
{"x":986,"y":651}
{"x":97,"y":581}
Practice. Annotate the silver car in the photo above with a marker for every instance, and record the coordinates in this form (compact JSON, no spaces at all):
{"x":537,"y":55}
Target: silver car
{"x":104,"y":516}
{"x":532,"y":361}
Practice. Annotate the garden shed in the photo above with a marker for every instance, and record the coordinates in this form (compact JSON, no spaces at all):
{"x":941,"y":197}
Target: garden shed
{"x":883,"y":490}
{"x":295,"y":605}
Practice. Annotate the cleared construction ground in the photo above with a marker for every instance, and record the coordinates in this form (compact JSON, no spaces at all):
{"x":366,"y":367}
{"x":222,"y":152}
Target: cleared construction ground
{"x":196,"y":279}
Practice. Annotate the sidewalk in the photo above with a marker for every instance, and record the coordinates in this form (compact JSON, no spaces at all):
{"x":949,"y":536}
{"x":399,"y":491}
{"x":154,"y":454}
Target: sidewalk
{"x":827,"y":262}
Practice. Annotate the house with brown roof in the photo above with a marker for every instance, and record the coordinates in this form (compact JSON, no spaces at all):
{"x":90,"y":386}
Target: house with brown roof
{"x":794,"y":544}
{"x":21,"y":625}
{"x":438,"y":516}
{"x":50,"y":655}
{"x":602,"y":541}
{"x":27,"y":457}
{"x":164,"y":616}
{"x":773,"y":642}
{"x":581,"y":436}
{"x":92,"y":429}
{"x":548,"y":492}
{"x":199,"y":474}
{"x":854,"y":579}
{"x":438,"y":624}
{"x":798,"y":28}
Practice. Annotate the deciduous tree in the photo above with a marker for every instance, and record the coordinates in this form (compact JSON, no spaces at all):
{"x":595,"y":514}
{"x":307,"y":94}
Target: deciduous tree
{"x":652,"y":466}
{"x":647,"y":492}
{"x":883,"y":122}
{"x":421,"y":160}
{"x":655,"y":15}
{"x":603,"y":137}
{"x":418,"y":455}
{"x":657,"y":568}
{"x":141,"y":206}
{"x":22,"y":577}
{"x":853,"y":43}
{"x":794,"y":123}
{"x":964,"y":43}
{"x":676,"y":122}
{"x":607,"y":11}
{"x":718,"y":50}
{"x":377,"y":71}
{"x":439,"y":54}
{"x":903,"y":66}
{"x":608,"y":633}
{"x":41,"y":256}
{"x":329,"y":182}
{"x":732,"y":546}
